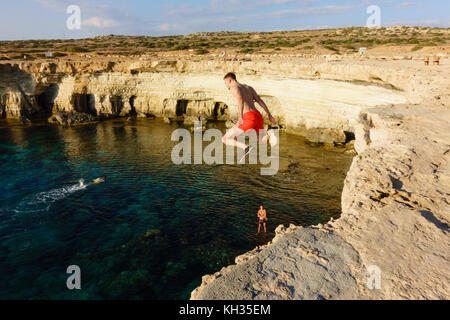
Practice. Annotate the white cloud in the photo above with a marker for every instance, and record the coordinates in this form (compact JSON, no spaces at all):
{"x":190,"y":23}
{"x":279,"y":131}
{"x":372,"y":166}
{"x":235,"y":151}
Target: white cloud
{"x":237,"y":5}
{"x":54,"y":4}
{"x":220,"y":7}
{"x":165,"y":27}
{"x":313,"y":11}
{"x":101,"y":15}
{"x":231,"y":21}
{"x":99,"y":22}
{"x":436,"y":23}
{"x":407,"y":4}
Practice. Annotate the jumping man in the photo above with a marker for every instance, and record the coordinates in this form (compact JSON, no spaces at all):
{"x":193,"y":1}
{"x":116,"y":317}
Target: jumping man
{"x":249,"y":117}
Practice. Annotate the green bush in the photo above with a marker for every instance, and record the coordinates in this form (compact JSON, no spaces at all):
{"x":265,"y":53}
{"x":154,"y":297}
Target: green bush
{"x":331,"y":48}
{"x":413,"y":41}
{"x":438,"y":40}
{"x":201,"y":51}
{"x":78,"y":49}
{"x":181,"y":46}
{"x":247,"y":50}
{"x":59,"y":54}
{"x":148,"y":45}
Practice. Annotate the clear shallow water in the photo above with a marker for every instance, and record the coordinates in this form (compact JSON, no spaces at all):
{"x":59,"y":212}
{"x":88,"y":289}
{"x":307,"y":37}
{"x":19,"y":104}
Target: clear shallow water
{"x":153,"y":229}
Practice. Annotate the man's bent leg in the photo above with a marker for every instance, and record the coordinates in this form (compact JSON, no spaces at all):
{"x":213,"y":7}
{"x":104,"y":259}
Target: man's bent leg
{"x":263,"y":136}
{"x":229,"y":137}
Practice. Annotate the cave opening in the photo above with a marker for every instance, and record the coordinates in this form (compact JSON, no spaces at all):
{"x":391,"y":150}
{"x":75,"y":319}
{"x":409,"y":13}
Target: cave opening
{"x":349,"y":136}
{"x":220,"y":110}
{"x":133,"y":109}
{"x":116,"y":104}
{"x":181,"y":108}
{"x":3,"y":106}
{"x":46,"y":99}
{"x":84,"y":103}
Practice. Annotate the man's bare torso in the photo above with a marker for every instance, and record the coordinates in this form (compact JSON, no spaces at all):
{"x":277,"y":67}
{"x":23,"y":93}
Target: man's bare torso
{"x":248,"y":97}
{"x":262,"y":214}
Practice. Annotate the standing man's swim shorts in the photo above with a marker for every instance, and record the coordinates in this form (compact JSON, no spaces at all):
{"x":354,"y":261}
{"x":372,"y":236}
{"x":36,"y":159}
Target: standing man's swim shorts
{"x":252,"y":120}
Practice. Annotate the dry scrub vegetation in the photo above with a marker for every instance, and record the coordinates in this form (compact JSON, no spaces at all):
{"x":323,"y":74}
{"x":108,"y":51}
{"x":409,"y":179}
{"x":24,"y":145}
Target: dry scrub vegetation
{"x":343,"y":40}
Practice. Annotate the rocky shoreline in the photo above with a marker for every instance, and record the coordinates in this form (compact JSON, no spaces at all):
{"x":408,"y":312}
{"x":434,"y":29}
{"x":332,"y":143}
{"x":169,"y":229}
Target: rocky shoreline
{"x":395,"y":201}
{"x":395,"y":219}
{"x":395,"y":216}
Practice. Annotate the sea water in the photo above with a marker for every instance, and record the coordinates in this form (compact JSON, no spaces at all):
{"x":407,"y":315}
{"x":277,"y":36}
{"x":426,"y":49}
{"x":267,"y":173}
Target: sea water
{"x":153,"y":228}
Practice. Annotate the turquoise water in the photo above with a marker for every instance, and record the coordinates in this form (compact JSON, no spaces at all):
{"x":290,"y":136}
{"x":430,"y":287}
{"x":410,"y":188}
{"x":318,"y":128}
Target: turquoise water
{"x":154,"y":228}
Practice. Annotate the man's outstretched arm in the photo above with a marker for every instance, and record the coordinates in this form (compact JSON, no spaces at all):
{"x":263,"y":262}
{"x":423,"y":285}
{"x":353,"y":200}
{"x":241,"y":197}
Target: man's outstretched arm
{"x":263,"y":105}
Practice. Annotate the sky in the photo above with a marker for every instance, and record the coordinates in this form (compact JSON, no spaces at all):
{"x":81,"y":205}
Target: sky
{"x":47,"y":19}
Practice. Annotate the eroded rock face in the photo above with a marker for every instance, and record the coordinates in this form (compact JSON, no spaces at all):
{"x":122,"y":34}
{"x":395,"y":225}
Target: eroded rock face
{"x":395,"y":219}
{"x":395,"y":211}
{"x":325,"y":135}
{"x":395,"y":201}
{"x":300,"y":263}
{"x":189,"y":88}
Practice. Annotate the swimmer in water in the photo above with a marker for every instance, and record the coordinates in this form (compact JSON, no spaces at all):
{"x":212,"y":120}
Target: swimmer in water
{"x":99,"y":180}
{"x":95,"y":181}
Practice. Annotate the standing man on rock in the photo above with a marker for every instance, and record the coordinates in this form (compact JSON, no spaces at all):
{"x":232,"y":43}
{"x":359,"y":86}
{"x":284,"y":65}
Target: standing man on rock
{"x":248,"y":116}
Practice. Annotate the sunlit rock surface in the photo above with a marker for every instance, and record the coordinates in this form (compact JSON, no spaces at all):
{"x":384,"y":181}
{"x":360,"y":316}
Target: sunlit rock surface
{"x":395,"y":202}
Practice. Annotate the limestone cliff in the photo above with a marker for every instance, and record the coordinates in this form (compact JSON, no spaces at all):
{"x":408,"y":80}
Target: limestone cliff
{"x":395,"y":218}
{"x":395,"y":201}
{"x":295,"y":94}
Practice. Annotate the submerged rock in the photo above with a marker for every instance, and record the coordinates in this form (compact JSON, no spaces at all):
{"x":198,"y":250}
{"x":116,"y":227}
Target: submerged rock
{"x":24,"y":120}
{"x":63,"y":118}
{"x":326,"y":135}
{"x":229,"y":124}
{"x":192,"y":120}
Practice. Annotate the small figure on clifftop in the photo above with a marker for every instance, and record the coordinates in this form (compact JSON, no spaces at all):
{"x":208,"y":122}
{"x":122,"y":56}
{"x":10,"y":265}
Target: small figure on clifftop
{"x":262,"y":215}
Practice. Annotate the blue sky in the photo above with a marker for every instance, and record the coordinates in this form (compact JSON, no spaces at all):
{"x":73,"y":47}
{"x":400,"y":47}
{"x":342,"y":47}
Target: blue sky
{"x":46,"y":19}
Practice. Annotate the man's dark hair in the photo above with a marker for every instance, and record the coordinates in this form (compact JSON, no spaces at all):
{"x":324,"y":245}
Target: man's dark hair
{"x":230,"y":75}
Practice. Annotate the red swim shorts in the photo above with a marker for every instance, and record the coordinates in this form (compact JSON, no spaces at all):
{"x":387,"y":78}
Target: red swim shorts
{"x":252,"y":120}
